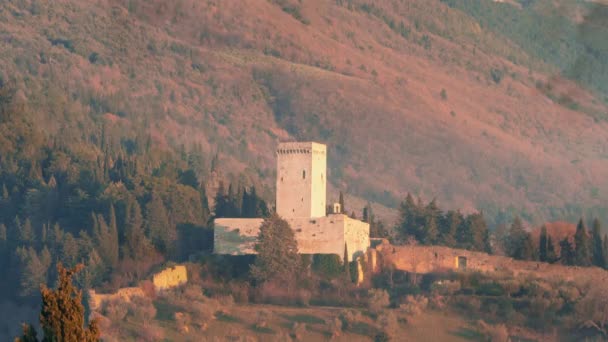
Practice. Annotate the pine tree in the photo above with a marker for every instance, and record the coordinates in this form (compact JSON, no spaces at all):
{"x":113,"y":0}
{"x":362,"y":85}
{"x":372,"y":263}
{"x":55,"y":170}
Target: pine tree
{"x":407,"y":227}
{"x":448,"y":231}
{"x":137,"y":246}
{"x":582,"y":249}
{"x":597,"y":245}
{"x":106,"y":238}
{"x":431,"y":231}
{"x":221,"y":202}
{"x":551,"y":254}
{"x":162,"y":234}
{"x":566,"y":254}
{"x":518,"y":242}
{"x":277,"y":259}
{"x":542,"y":248}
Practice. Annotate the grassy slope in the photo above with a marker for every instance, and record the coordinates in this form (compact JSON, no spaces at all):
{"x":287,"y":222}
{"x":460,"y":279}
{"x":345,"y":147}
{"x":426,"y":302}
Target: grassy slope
{"x":240,"y":75}
{"x":239,"y":325}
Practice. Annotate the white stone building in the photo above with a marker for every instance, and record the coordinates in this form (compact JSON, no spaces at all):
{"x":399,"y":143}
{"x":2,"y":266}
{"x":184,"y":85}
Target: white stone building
{"x":301,"y":201}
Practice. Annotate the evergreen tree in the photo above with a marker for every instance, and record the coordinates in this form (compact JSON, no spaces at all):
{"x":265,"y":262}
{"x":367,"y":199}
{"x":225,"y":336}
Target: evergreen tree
{"x":341,"y":201}
{"x":582,"y":246}
{"x":551,"y":254}
{"x":449,"y":228}
{"x":606,"y":251}
{"x":346,"y":261}
{"x":26,"y":232}
{"x":542,"y":248}
{"x":162,"y":234}
{"x":62,"y":314}
{"x":407,"y":226}
{"x":32,"y":271}
{"x":519,"y":242}
{"x":206,"y":215}
{"x":137,"y":246}
{"x":431,"y":232}
{"x":221,"y":202}
{"x":106,"y":238}
{"x":566,"y":254}
{"x":277,"y":259}
{"x":597,"y":245}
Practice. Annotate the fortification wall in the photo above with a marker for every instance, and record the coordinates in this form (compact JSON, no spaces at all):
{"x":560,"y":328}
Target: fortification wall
{"x":427,"y":259}
{"x":356,"y":236}
{"x":236,"y":236}
{"x":170,"y":277}
{"x":96,"y":300}
{"x":323,"y":235}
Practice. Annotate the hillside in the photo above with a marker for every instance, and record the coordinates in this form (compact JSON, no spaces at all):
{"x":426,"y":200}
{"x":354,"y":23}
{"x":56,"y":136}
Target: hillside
{"x":438,"y":98}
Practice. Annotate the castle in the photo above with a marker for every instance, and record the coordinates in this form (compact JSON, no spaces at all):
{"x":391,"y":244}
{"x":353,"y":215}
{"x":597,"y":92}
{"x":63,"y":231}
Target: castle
{"x":301,"y":201}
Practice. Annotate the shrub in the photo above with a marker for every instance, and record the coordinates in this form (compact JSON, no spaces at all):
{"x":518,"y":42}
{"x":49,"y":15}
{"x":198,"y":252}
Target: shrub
{"x":414,"y":305}
{"x":497,"y":75}
{"x":378,"y":299}
{"x":388,"y":324}
{"x":262,"y":318}
{"x":142,"y":309}
{"x":297,"y":331}
{"x":334,"y":326}
{"x":328,"y":265}
{"x":183,"y":321}
{"x":349,"y":318}
{"x":115,"y":310}
{"x":494,"y":333}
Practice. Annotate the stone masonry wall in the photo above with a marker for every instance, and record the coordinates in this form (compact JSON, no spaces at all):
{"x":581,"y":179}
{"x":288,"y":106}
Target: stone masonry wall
{"x":427,"y":259}
{"x":170,"y":278}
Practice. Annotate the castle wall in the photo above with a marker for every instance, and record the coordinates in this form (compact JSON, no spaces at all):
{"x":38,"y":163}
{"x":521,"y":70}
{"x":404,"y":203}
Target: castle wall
{"x":236,"y":236}
{"x":170,"y":277}
{"x":301,"y":184}
{"x":356,"y":236}
{"x":96,"y":300}
{"x":323,"y":235}
{"x":427,"y":259}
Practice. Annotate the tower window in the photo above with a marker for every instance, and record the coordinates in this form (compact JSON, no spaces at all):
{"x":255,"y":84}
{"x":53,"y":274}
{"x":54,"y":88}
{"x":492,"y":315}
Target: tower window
{"x":303,"y":174}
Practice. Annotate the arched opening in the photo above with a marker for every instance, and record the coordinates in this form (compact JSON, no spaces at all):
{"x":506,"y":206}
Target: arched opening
{"x":303,"y":174}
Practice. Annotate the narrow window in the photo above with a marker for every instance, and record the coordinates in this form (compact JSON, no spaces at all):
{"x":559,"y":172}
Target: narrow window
{"x":303,"y":174}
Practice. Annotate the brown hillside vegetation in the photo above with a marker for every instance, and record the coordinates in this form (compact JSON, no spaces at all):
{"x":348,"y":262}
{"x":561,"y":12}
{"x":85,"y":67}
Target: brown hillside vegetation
{"x":410,"y":96}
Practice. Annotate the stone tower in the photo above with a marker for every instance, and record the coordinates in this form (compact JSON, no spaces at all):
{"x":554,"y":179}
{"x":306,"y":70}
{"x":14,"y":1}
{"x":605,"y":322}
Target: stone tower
{"x":301,"y":179}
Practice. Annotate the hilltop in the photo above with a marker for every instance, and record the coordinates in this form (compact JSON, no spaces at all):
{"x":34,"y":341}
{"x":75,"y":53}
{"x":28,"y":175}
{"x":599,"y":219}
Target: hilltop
{"x":447,"y":99}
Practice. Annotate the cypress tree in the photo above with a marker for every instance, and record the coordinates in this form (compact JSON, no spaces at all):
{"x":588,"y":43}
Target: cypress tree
{"x":597,"y":245}
{"x":346,"y":264}
{"x":551,"y":254}
{"x":341,"y":201}
{"x":582,"y":249}
{"x":62,"y":314}
{"x":542,"y":248}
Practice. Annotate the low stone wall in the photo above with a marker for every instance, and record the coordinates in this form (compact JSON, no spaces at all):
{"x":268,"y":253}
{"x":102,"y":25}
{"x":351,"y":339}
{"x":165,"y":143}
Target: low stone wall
{"x":170,"y":277}
{"x":428,"y":259}
{"x":96,"y":300}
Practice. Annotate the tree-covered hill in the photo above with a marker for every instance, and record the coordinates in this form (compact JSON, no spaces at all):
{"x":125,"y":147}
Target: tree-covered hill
{"x":472,"y":102}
